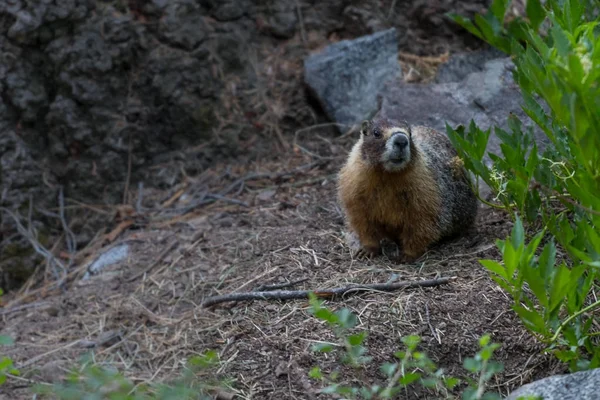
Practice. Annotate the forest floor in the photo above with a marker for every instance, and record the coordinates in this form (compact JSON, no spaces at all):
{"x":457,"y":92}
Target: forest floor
{"x":241,"y":225}
{"x":289,"y":228}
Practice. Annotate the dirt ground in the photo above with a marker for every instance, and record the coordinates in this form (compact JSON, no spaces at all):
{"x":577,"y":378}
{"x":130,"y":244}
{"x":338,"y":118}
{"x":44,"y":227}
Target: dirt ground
{"x":270,"y":217}
{"x":289,"y":228}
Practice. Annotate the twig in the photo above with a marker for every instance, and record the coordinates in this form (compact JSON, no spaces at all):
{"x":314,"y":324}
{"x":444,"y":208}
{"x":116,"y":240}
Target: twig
{"x":138,"y":204}
{"x":323,"y":293}
{"x":128,"y":178}
{"x":215,"y":197}
{"x":160,"y":257}
{"x":301,"y":21}
{"x":391,"y":11}
{"x":35,"y":359}
{"x":30,"y":235}
{"x":269,"y":175}
{"x":266,"y":288}
{"x":23,"y":307}
{"x":69,"y":236}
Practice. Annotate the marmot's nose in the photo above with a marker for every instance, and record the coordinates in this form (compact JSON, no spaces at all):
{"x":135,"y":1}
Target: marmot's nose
{"x":400,"y":141}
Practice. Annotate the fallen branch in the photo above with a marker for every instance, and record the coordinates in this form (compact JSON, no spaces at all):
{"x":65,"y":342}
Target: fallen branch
{"x":270,"y":175}
{"x":323,"y":293}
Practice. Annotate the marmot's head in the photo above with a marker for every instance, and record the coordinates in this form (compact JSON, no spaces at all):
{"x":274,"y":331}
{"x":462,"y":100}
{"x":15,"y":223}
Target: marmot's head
{"x":387,"y":143}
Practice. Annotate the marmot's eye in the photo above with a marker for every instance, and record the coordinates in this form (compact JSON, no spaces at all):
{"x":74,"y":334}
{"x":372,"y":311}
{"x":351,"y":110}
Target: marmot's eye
{"x":377,"y":133}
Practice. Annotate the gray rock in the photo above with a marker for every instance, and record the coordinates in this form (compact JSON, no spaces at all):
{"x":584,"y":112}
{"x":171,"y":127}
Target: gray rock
{"x":581,"y":385}
{"x":461,"y":65}
{"x":347,"y":76}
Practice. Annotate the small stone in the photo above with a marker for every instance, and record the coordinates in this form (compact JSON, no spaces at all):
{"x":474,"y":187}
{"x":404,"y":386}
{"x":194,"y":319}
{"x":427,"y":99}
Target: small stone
{"x":107,"y":258}
{"x":266,"y":194}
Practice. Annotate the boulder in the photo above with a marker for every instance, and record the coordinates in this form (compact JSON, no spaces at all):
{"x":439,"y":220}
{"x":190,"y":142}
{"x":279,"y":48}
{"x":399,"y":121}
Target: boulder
{"x":347,"y":76}
{"x":581,"y":385}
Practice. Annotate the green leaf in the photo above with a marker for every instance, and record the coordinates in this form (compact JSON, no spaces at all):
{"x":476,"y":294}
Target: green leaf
{"x":409,"y":378}
{"x":531,"y":319}
{"x":322,"y":347}
{"x":6,"y":340}
{"x":518,"y":234}
{"x":536,"y":283}
{"x":5,"y":363}
{"x":466,"y":24}
{"x":495,"y":267}
{"x":472,"y":365}
{"x":536,"y":13}
{"x":561,"y":41}
{"x":346,"y":318}
{"x":498,"y":9}
{"x":487,"y":352}
{"x":316,"y":373}
{"x":388,"y":369}
{"x":546,"y":261}
{"x":411,"y":341}
{"x":451,"y":382}
{"x":326,"y":315}
{"x":357,"y":339}
{"x":207,"y":360}
{"x":484,"y":340}
{"x":494,"y":367}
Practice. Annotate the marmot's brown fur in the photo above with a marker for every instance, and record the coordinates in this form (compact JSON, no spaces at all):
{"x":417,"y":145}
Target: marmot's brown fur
{"x":406,"y":184}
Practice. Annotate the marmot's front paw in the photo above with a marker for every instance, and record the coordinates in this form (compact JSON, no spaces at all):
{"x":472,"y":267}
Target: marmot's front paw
{"x":357,"y":249}
{"x":365,"y":252}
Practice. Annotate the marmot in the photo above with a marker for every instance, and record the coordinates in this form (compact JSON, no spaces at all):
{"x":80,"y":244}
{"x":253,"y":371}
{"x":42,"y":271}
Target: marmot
{"x":406,"y":184}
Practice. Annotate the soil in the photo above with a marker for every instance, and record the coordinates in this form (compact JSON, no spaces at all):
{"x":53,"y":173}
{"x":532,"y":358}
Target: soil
{"x":291,"y":229}
{"x":265,"y":217}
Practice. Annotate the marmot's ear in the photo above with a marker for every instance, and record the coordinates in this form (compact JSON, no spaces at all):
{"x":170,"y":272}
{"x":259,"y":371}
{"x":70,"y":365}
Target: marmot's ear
{"x":364,"y":128}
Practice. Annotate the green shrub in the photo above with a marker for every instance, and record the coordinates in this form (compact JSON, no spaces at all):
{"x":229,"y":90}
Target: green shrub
{"x":92,"y":381}
{"x":556,"y":52}
{"x":413,"y":367}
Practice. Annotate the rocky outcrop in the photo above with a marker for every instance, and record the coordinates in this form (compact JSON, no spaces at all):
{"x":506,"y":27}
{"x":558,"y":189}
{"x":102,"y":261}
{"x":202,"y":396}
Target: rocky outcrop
{"x":98,"y":84}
